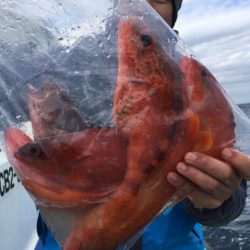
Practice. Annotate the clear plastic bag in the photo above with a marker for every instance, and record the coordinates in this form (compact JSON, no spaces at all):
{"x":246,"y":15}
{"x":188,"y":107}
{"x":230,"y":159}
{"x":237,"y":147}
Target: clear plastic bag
{"x":100,"y":101}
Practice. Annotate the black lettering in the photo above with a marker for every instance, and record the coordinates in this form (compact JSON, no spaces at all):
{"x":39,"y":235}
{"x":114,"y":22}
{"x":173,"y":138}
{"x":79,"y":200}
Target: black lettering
{"x":2,"y":188}
{"x":11,"y":177}
{"x":6,"y":180}
{"x":16,"y":176}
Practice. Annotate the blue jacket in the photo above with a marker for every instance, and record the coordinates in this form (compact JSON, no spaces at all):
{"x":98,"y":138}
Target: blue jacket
{"x":174,"y":229}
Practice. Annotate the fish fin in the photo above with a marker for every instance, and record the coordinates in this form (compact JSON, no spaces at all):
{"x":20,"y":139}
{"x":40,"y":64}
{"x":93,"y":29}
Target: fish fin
{"x":204,"y":141}
{"x":193,"y":124}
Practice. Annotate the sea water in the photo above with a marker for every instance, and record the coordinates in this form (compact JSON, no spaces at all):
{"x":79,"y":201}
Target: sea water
{"x":235,"y":235}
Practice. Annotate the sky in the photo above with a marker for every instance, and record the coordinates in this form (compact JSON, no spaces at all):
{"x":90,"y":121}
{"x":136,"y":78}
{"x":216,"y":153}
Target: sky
{"x":218,"y":33}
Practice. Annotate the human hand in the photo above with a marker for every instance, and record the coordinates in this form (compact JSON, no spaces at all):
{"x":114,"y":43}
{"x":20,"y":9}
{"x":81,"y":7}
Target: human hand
{"x":239,"y":161}
{"x":206,"y":181}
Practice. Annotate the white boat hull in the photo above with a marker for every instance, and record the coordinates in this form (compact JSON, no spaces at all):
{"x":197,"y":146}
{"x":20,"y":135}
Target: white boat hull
{"x":18,"y":212}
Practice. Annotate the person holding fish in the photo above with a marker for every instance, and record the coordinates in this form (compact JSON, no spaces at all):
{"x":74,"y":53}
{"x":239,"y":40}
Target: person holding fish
{"x":215,"y":189}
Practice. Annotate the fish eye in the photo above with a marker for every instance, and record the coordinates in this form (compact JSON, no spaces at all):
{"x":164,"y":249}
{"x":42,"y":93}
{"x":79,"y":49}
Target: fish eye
{"x":35,"y":151}
{"x":147,"y":41}
{"x":30,"y":150}
{"x":204,"y":73}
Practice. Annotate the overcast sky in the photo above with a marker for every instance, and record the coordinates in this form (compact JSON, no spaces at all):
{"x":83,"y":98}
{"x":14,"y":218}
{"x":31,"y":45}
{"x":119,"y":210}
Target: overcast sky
{"x":219,"y":34}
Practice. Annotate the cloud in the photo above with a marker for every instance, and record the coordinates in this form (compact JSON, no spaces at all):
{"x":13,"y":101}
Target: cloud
{"x":218,"y":33}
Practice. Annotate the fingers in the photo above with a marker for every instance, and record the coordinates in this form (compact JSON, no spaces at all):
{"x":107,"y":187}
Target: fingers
{"x":205,"y":182}
{"x":217,"y":169}
{"x":199,"y":198}
{"x":239,"y":161}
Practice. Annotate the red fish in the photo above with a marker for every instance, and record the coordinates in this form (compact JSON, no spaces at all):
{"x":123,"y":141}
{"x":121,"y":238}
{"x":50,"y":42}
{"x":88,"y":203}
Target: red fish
{"x":151,"y":112}
{"x":58,"y":171}
{"x":154,"y":108}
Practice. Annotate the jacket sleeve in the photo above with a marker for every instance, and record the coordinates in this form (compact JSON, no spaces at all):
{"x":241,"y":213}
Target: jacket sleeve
{"x":222,"y":215}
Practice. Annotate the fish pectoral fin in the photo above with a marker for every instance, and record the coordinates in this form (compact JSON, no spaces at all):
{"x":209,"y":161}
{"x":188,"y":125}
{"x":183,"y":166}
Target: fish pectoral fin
{"x":204,"y":141}
{"x":193,"y":124}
